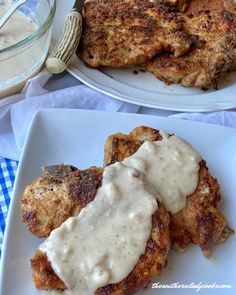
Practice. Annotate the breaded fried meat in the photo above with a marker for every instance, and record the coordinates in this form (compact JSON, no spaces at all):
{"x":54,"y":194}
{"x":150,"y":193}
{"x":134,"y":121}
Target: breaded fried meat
{"x":201,"y":221}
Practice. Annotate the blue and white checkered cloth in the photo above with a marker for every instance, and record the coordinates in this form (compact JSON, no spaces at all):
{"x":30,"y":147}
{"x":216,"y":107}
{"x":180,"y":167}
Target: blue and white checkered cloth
{"x":7,"y":176}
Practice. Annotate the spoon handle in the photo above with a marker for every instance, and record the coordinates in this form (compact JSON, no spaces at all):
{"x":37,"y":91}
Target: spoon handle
{"x":12,"y":9}
{"x":59,"y":58}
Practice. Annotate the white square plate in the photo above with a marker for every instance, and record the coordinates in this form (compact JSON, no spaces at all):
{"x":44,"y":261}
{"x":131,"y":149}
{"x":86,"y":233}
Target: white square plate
{"x":77,"y":137}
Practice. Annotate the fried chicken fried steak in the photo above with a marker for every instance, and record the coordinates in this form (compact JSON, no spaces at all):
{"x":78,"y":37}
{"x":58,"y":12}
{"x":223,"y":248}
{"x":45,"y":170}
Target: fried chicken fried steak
{"x":57,"y":195}
{"x":194,"y":46}
{"x":149,"y":264}
{"x":212,"y":24}
{"x":63,"y":192}
{"x":128,"y":32}
{"x":200,"y":222}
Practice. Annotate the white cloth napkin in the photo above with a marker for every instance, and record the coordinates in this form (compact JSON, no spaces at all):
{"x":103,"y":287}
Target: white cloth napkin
{"x":16,"y":112}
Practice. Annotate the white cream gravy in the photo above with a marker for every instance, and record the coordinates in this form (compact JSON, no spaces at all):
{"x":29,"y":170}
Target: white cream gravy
{"x":17,"y":28}
{"x":16,"y":66}
{"x":103,"y":244}
{"x":171,"y":165}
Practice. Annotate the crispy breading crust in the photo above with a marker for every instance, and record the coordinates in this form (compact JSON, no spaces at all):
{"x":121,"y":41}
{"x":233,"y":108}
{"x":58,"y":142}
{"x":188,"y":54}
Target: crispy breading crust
{"x":179,"y":4}
{"x":200,"y":221}
{"x":44,"y":276}
{"x":213,"y":52}
{"x":48,"y":201}
{"x":121,"y":33}
{"x":149,"y":265}
{"x":119,"y":146}
{"x":230,"y":5}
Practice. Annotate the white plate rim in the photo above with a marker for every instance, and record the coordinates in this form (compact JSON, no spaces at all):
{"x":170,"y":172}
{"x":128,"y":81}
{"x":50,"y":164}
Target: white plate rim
{"x":9,"y":219}
{"x":115,"y":89}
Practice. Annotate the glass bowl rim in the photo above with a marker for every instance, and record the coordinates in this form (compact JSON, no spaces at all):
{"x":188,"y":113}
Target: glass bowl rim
{"x":37,"y":33}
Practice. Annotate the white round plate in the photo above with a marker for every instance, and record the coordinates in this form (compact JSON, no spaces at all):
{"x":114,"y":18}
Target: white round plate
{"x":136,"y":86}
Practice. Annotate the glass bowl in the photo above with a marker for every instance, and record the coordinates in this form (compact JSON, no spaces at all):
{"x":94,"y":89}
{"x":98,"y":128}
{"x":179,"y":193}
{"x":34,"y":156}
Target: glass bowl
{"x":25,"y":58}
